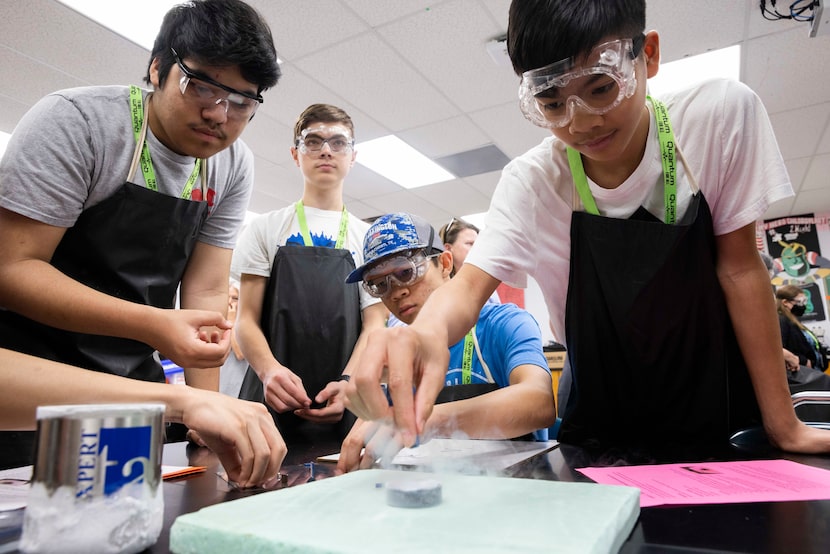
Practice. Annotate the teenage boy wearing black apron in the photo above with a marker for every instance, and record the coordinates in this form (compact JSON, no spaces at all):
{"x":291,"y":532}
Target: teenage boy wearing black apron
{"x":312,"y":321}
{"x":624,"y":390}
{"x":141,"y":257}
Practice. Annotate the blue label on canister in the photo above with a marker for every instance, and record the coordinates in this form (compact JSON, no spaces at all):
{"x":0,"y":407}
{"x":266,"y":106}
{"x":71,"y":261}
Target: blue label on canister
{"x":121,"y":455}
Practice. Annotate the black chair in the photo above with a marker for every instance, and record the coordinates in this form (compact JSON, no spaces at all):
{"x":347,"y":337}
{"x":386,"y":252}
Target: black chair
{"x":813,"y":408}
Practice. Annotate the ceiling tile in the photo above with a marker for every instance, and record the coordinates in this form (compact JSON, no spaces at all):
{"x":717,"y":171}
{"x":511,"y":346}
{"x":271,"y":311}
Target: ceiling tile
{"x":302,"y":28}
{"x":445,"y":137}
{"x":799,"y":131}
{"x":380,"y":12}
{"x":447,"y":45}
{"x":396,"y":95}
{"x":784,"y":82}
{"x":508,"y":129}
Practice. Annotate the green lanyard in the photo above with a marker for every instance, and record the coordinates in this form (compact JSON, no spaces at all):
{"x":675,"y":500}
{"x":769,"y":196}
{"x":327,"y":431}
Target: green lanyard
{"x":813,"y":339}
{"x":668,"y":151}
{"x":137,"y":110}
{"x":344,"y":225}
{"x":467,"y":358}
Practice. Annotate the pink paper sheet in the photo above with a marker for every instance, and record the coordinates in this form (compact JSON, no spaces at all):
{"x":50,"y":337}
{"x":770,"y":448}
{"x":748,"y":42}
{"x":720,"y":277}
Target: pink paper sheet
{"x":718,"y":482}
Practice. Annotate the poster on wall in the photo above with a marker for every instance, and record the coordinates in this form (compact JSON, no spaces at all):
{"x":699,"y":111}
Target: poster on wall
{"x":814,"y":310}
{"x":793,"y":243}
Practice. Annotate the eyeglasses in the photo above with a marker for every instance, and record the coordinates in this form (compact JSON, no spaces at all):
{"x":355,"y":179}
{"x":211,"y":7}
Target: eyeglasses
{"x":799,"y":301}
{"x":404,"y":270}
{"x":207,"y":93}
{"x":312,"y":143}
{"x":550,"y":95}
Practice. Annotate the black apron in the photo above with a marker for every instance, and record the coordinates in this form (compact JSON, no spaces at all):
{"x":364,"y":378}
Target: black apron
{"x":311,"y":319}
{"x":134,"y":246}
{"x":466,"y":390}
{"x":654,"y":358}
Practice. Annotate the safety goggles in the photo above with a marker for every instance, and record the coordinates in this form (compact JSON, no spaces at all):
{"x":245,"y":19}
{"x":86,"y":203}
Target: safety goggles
{"x":549,"y":96}
{"x":207,"y":93}
{"x":311,"y":139}
{"x":402,"y":270}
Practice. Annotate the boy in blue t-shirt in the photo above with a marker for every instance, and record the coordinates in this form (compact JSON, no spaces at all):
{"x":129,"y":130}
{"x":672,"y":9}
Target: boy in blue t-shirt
{"x":498,"y":383}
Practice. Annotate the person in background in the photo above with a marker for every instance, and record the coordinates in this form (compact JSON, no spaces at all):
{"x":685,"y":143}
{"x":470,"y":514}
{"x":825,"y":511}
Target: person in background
{"x":795,"y":336}
{"x":298,"y":321}
{"x":799,"y":377}
{"x":459,"y":236}
{"x":113,"y":198}
{"x":652,"y":278}
{"x":233,"y":370}
{"x":242,"y":434}
{"x":497,"y":385}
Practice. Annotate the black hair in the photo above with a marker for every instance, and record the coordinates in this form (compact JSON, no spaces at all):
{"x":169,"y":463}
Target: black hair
{"x":541,"y":32}
{"x":218,"y":33}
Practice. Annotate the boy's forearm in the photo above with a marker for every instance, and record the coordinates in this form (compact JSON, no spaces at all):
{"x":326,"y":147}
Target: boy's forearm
{"x":753,"y":315}
{"x":29,"y":382}
{"x":506,"y":413}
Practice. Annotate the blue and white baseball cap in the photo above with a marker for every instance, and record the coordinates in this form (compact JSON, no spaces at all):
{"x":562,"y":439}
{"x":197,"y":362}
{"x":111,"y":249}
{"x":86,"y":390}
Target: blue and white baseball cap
{"x":394,"y":233}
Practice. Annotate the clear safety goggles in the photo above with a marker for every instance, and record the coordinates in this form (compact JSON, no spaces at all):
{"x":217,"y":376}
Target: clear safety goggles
{"x":312,"y":139}
{"x":206,"y":93}
{"x":549,"y":96}
{"x":403,"y":270}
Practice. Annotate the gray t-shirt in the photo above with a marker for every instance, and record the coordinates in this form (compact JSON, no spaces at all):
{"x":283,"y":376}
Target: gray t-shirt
{"x":73,"y":149}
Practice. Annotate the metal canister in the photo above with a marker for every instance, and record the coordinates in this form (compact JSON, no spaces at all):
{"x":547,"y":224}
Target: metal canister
{"x":95,"y":484}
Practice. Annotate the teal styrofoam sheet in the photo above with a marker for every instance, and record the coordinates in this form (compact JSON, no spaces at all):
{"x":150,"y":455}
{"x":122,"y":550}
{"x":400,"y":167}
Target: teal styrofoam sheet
{"x":480,"y":514}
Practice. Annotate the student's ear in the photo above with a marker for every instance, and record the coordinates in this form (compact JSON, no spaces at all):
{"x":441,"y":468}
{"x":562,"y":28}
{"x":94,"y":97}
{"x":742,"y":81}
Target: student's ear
{"x":651,"y":51}
{"x":446,"y":263}
{"x":294,"y":156}
{"x":154,"y":73}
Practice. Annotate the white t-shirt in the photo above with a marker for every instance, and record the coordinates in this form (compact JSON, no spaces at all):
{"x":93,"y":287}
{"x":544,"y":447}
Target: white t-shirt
{"x":262,"y":237}
{"x":723,"y":131}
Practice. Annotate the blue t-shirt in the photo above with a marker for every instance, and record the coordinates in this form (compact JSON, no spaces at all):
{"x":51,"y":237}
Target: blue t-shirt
{"x":508,"y":337}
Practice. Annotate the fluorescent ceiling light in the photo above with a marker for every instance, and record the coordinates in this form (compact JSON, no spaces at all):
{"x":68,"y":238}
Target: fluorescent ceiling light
{"x":724,"y":62}
{"x":4,"y":140}
{"x":397,"y":161}
{"x":140,"y":25}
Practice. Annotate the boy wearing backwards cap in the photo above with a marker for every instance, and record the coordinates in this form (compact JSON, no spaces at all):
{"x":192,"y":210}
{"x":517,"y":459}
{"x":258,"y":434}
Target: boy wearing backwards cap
{"x":498,"y":384}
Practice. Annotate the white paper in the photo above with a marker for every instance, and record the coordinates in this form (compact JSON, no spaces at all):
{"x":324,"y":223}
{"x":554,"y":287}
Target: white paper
{"x":473,"y":454}
{"x":14,"y":487}
{"x":465,"y":455}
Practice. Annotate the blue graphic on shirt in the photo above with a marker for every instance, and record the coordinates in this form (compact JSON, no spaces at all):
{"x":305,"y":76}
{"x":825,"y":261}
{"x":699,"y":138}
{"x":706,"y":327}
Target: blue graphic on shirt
{"x":317,"y":239}
{"x":508,"y":337}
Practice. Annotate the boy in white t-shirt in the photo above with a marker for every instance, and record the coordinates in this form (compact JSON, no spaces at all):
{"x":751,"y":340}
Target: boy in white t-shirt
{"x":637,"y":220}
{"x":298,"y":320}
